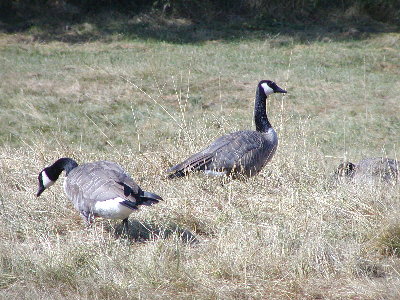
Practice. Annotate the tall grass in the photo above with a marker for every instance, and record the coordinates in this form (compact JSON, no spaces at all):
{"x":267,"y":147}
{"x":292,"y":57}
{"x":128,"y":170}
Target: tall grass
{"x":287,"y":233}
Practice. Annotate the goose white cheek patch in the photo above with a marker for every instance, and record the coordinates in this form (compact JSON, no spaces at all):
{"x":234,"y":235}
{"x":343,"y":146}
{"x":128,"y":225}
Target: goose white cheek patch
{"x":267,"y":89}
{"x":46,"y":180}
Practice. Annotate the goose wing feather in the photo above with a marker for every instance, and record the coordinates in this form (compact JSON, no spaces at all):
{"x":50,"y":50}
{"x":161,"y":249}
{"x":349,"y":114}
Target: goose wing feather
{"x":200,"y":160}
{"x":100,"y":181}
{"x":194,"y":162}
{"x":237,"y":150}
{"x":253,"y":160}
{"x":247,"y":153}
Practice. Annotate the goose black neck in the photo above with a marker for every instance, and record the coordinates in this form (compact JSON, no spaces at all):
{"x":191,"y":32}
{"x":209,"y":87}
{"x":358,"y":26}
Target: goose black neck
{"x":60,"y":165}
{"x":260,"y":115}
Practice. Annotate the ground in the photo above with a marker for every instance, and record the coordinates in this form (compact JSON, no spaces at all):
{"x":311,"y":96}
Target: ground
{"x":147,"y":103}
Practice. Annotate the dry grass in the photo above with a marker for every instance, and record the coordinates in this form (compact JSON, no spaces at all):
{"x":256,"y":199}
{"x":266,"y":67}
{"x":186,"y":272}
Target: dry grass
{"x":285,"y":234}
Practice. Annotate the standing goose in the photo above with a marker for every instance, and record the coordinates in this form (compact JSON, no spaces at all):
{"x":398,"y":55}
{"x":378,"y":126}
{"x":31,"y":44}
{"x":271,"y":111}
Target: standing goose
{"x":98,"y":189}
{"x":243,"y":152}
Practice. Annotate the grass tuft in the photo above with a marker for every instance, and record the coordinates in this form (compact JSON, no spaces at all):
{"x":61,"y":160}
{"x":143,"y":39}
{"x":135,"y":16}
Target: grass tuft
{"x":389,"y":241}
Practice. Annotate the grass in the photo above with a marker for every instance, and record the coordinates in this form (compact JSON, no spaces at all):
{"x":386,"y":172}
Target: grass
{"x":146,"y":104}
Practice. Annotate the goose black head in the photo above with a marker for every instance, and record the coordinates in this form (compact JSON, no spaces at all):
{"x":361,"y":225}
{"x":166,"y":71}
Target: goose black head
{"x":46,"y":179}
{"x":49,"y":175}
{"x":345,"y":169}
{"x":269,"y":87}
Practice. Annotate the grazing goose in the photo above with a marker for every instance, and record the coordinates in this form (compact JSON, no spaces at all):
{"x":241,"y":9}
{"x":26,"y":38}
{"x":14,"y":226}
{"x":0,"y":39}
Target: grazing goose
{"x":239,"y":153}
{"x":98,"y":189}
{"x":369,"y":170}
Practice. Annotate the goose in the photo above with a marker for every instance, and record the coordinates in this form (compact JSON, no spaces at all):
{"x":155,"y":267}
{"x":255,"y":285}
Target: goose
{"x":243,"y":152}
{"x":369,"y":170}
{"x":97,"y":189}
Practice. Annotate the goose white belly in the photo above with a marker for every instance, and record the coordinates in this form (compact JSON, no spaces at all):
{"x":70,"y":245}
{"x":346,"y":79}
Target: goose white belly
{"x":112,"y":209}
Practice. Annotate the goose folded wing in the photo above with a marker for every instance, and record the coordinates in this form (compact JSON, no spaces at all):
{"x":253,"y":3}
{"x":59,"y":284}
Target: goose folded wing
{"x":194,"y":162}
{"x":242,"y":149}
{"x":202,"y":159}
{"x":110,"y":184}
{"x":123,"y":186}
{"x":111,"y":189}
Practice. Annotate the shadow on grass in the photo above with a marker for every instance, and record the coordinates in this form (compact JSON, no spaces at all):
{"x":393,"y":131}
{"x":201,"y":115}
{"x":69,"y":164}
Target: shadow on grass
{"x":113,"y":26}
{"x":142,"y":232}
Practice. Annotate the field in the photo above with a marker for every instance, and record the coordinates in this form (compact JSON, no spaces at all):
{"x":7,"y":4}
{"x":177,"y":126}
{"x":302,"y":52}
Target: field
{"x":288,"y":233}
